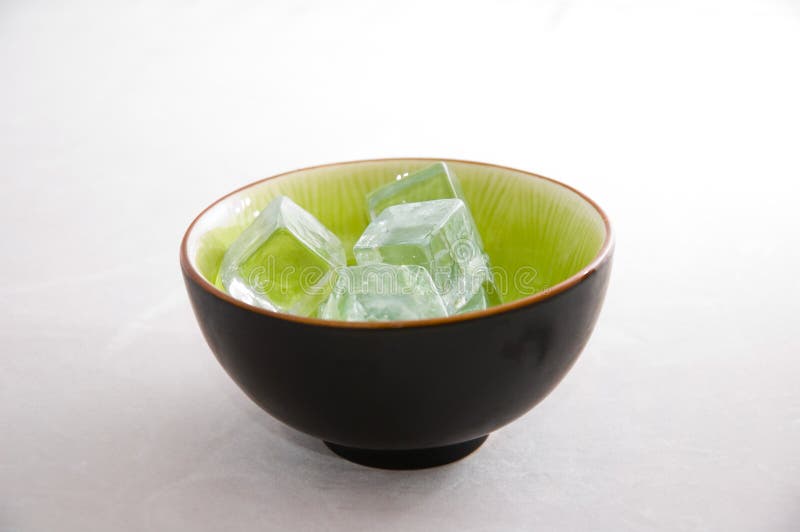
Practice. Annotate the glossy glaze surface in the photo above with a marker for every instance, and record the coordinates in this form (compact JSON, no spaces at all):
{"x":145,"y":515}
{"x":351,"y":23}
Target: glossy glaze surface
{"x":402,"y":388}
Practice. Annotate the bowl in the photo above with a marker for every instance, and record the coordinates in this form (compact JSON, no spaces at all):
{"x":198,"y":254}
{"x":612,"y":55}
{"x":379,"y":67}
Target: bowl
{"x":411,"y":394}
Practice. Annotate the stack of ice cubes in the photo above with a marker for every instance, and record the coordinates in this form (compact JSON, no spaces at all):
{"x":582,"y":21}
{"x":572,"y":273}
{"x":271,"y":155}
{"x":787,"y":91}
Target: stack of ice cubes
{"x":420,"y":257}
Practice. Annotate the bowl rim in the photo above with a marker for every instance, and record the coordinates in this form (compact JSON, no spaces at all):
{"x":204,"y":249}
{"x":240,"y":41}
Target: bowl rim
{"x":602,"y":256}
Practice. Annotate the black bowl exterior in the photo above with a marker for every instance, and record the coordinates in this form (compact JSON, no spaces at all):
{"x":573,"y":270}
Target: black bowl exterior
{"x":408,"y":387}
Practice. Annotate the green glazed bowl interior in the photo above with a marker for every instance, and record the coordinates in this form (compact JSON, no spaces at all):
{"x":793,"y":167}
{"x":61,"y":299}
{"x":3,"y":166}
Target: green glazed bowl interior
{"x":539,"y":234}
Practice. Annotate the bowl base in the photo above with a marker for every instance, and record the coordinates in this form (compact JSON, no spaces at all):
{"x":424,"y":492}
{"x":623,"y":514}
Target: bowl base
{"x":407,"y":458}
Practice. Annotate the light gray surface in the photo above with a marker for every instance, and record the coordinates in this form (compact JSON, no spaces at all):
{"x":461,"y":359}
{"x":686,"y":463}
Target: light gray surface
{"x":118,"y":124}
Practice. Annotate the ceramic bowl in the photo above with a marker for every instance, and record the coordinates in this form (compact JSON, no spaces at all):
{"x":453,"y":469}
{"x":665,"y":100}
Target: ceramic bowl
{"x":411,"y":394}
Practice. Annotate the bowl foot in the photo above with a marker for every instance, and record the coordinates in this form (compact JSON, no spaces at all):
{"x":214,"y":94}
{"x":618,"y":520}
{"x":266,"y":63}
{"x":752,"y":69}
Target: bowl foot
{"x":407,"y":459}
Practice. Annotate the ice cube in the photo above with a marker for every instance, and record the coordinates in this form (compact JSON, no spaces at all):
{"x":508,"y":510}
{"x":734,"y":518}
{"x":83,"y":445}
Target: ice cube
{"x":486,"y":296}
{"x":383,"y":292}
{"x":438,"y":235}
{"x":431,"y":183}
{"x":283,"y":261}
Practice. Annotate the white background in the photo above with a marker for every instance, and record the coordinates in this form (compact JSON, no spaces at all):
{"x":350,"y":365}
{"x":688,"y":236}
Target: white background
{"x":118,"y":123}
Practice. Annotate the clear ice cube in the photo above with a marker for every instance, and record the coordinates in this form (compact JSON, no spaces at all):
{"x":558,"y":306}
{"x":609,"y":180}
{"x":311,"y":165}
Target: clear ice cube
{"x":441,"y":237}
{"x":382,"y":292}
{"x":431,"y":183}
{"x":283,"y":261}
{"x":486,"y":296}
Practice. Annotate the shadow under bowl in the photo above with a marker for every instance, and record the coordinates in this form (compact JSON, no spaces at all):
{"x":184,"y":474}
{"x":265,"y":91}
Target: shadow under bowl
{"x":412,"y":394}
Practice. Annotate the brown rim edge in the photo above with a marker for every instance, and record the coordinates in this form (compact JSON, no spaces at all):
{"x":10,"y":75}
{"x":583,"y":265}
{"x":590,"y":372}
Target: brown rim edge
{"x":586,"y":271}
